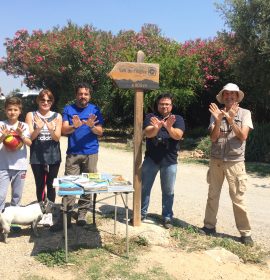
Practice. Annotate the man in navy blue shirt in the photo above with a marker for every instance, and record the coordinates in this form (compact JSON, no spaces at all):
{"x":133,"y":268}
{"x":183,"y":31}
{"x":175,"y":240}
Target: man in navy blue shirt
{"x":82,"y":122}
{"x":163,"y":131}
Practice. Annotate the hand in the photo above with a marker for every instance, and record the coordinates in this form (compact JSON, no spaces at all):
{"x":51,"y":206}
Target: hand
{"x":4,"y":131}
{"x":76,"y":121}
{"x":156,"y":123}
{"x":91,"y":121}
{"x":20,"y":129}
{"x":230,"y":114}
{"x":51,"y":125}
{"x":169,"y":121}
{"x":216,"y":112}
{"x":38,"y":121}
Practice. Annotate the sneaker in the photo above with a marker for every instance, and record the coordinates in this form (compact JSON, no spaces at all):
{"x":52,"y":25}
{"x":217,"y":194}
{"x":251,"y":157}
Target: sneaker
{"x":247,"y":240}
{"x":167,"y":223}
{"x":207,"y":231}
{"x":48,"y":220}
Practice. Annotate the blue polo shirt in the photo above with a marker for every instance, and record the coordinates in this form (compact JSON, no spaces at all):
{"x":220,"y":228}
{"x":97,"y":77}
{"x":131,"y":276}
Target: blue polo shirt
{"x":82,"y":141}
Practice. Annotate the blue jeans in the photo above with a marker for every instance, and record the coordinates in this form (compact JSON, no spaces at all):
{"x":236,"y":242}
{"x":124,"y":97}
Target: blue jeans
{"x":167,"y":179}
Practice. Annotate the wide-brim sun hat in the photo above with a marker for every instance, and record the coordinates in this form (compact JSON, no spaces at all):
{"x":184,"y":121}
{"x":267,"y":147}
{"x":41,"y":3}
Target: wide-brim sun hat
{"x":230,"y":87}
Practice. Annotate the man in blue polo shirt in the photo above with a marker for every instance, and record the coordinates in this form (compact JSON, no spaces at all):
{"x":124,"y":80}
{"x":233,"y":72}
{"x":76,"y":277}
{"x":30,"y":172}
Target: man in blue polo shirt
{"x":82,"y":122}
{"x":163,"y":130}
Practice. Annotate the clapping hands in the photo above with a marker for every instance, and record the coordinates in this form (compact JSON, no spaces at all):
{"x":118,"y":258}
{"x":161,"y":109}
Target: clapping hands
{"x":228,"y":114}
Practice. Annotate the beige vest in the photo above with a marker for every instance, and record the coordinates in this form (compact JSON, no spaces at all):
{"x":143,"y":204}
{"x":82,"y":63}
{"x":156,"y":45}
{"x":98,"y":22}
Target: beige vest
{"x":228,"y":147}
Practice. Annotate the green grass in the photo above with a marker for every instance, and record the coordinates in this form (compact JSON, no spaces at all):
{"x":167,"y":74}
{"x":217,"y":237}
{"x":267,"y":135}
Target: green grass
{"x":190,"y":240}
{"x":110,"y":261}
{"x":52,"y":258}
{"x":258,"y":169}
{"x":98,"y":264}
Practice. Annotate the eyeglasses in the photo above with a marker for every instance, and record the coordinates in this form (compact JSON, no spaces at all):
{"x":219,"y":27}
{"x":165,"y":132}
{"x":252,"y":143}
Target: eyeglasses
{"x":165,"y":104}
{"x":49,"y":101}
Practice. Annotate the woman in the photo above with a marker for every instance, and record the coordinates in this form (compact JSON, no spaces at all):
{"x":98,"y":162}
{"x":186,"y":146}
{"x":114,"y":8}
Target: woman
{"x":45,"y":156}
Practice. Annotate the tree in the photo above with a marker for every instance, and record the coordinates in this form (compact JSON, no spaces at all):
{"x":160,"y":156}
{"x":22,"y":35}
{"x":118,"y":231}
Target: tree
{"x":249,"y":21}
{"x":59,"y":58}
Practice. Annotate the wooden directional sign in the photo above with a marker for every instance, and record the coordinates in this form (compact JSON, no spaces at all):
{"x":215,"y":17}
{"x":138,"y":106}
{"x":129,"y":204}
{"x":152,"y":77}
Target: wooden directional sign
{"x":135,"y":75}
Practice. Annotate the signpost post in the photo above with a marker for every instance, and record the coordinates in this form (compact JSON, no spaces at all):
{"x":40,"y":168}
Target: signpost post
{"x":139,"y":76}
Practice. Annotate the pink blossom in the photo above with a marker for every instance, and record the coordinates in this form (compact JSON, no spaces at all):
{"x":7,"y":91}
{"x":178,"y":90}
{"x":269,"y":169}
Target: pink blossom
{"x":39,"y":59}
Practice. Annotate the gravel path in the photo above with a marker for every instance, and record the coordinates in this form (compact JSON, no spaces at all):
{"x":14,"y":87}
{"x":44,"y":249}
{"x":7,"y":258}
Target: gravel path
{"x":190,"y":199}
{"x":190,"y":194}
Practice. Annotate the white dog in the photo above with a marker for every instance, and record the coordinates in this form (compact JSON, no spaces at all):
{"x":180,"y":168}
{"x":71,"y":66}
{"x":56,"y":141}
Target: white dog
{"x":24,"y":215}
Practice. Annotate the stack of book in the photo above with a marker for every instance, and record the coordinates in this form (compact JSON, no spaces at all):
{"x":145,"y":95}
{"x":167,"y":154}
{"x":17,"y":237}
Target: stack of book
{"x":119,"y":184}
{"x":66,"y":186}
{"x":91,"y":183}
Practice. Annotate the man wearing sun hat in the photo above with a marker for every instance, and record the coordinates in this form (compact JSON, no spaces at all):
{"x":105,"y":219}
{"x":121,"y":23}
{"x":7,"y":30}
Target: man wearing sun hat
{"x":229,"y":128}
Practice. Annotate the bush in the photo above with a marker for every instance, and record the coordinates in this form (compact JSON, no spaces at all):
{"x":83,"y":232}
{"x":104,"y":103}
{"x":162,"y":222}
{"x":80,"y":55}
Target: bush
{"x":205,"y":146}
{"x":258,"y":143}
{"x":257,"y":148}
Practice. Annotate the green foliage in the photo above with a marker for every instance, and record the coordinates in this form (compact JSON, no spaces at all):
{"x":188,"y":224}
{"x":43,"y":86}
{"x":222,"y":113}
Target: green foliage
{"x":205,"y":146}
{"x":258,"y":143}
{"x":249,"y":23}
{"x":52,"y":258}
{"x":189,"y":239}
{"x":61,"y":57}
{"x":246,"y":253}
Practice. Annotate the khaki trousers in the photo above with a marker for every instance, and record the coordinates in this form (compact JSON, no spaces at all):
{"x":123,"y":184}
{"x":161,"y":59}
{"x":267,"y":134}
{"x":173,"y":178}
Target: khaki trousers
{"x":235,"y":174}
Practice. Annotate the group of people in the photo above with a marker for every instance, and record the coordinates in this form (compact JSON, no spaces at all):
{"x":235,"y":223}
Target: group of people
{"x":229,"y":128}
{"x":82,"y":122}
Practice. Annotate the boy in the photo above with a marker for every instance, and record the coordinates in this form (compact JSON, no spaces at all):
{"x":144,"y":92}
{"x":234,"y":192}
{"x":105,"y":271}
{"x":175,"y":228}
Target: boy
{"x":13,"y":153}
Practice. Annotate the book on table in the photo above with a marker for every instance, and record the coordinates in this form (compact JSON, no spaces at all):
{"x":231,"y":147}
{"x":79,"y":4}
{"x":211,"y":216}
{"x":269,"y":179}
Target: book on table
{"x":68,"y":188}
{"x":92,"y":182}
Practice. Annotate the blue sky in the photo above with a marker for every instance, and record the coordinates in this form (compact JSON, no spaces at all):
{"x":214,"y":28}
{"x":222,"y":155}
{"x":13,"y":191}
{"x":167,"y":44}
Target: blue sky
{"x":180,"y":20}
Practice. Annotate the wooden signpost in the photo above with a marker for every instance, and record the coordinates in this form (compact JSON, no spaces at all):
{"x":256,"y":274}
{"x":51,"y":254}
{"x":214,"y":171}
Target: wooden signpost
{"x":139,"y":76}
{"x":135,"y":75}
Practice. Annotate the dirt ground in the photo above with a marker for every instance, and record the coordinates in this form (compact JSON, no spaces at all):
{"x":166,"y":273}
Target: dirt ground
{"x":190,"y":198}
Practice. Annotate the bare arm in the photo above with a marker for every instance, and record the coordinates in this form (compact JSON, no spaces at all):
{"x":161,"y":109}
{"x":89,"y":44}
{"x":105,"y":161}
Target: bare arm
{"x":152,"y":130}
{"x":68,"y":129}
{"x":175,"y":133}
{"x":34,"y":132}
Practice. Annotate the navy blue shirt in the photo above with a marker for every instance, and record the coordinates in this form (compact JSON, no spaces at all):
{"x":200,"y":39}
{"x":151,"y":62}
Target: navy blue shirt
{"x":163,"y":149}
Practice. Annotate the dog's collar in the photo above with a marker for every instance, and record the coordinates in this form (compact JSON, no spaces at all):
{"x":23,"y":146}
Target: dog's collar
{"x":42,"y":207}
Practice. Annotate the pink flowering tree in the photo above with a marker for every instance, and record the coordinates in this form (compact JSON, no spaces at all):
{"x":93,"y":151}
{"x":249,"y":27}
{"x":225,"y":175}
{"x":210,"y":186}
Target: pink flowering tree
{"x":61,"y":57}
